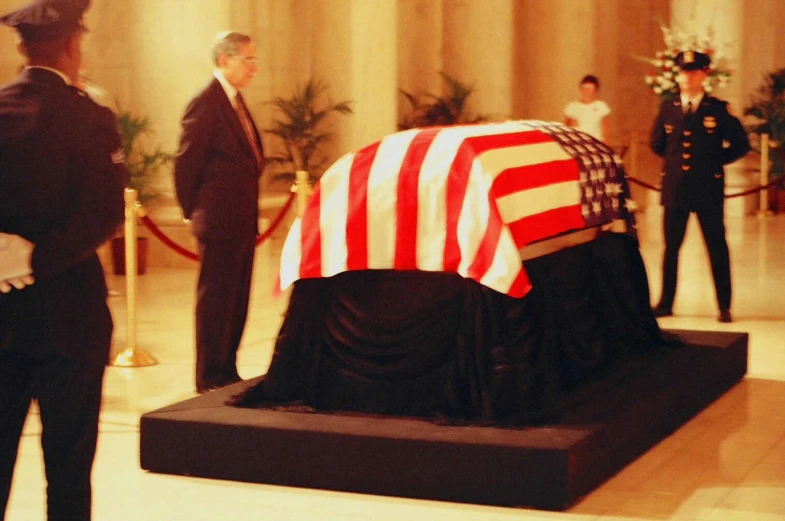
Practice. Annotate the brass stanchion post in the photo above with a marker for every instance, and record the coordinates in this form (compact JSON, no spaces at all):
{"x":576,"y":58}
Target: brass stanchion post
{"x":303,"y":189}
{"x":764,"y":176}
{"x":130,"y":356}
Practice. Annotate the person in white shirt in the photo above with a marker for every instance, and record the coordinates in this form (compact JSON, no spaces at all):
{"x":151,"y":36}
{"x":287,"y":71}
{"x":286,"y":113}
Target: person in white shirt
{"x":589,"y":114}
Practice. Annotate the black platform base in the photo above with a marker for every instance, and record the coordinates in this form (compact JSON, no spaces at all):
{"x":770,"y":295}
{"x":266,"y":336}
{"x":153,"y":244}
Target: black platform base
{"x":543,"y":467}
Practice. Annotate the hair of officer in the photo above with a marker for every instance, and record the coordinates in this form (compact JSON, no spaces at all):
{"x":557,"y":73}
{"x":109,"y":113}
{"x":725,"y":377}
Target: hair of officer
{"x":44,"y":52}
{"x":591,"y":78}
{"x":229,"y":43}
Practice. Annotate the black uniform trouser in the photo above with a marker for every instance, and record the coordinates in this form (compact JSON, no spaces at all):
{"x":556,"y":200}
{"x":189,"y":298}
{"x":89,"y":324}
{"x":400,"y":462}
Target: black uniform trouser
{"x":222,"y":298}
{"x":712,"y":224}
{"x":68,"y":393}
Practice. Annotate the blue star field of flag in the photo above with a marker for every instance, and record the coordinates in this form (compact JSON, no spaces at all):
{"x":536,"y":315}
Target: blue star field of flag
{"x":605,"y":193}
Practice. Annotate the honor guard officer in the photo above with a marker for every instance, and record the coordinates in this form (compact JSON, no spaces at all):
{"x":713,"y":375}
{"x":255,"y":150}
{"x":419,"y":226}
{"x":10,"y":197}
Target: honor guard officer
{"x":61,"y":196}
{"x":696,"y":135}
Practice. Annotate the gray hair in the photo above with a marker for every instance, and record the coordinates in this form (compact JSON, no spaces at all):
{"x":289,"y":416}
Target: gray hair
{"x":228,"y":43}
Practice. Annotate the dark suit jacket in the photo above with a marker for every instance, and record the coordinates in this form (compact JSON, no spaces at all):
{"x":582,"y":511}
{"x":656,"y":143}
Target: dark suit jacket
{"x":695,"y":153}
{"x":61,"y":187}
{"x":216,"y":173}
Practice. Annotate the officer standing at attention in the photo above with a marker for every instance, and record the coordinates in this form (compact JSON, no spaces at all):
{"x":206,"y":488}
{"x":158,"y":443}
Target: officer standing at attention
{"x":61,"y":196}
{"x":696,"y":136}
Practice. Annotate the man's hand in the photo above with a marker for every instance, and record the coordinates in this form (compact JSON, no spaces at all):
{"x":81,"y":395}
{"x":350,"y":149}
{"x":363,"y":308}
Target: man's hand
{"x":16,"y":282}
{"x":16,"y":254}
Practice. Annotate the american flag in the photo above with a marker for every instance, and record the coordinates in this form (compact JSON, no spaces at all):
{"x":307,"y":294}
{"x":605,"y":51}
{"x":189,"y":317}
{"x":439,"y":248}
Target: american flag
{"x":461,"y":199}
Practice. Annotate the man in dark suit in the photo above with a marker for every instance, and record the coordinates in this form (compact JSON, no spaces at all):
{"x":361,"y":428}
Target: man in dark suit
{"x":696,"y":135}
{"x":216,"y":173}
{"x":61,"y":196}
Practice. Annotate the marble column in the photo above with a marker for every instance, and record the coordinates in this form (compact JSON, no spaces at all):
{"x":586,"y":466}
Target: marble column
{"x":478,"y":50}
{"x":355,"y":50}
{"x":555,"y":48}
{"x":170,"y":57}
{"x":420,"y":46}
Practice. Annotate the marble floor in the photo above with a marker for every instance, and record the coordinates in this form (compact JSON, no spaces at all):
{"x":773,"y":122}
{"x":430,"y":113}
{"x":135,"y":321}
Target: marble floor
{"x":727,"y":464}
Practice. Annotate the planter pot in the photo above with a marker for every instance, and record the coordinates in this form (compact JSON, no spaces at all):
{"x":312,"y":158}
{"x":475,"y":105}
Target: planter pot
{"x":118,"y":255}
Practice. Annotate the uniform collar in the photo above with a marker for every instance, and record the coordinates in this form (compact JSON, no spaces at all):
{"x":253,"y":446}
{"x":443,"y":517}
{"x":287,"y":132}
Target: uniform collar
{"x":65,"y":78}
{"x":696,"y":100}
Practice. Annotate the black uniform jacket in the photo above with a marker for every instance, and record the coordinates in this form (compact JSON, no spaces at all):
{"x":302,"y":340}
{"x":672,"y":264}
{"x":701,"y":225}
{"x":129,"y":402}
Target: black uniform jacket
{"x":216,"y":173}
{"x":695,"y":150}
{"x":61,"y":187}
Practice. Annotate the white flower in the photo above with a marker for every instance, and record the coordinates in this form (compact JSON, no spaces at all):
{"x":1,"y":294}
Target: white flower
{"x":657,"y":90}
{"x":657,"y":63}
{"x":649,"y":80}
{"x":669,"y":63}
{"x":668,"y":75}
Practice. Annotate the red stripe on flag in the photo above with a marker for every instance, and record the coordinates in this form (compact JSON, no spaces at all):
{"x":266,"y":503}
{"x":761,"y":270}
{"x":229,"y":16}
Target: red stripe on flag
{"x":455,"y":192}
{"x":459,"y":179}
{"x":520,"y":286}
{"x":488,"y":245}
{"x":407,"y":200}
{"x":311,"y":238}
{"x":357,"y":220}
{"x":546,"y":224}
{"x":520,"y":137}
{"x":522,"y":178}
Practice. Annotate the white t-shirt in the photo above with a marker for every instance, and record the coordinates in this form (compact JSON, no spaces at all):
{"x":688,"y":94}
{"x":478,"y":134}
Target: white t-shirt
{"x":588,"y":116}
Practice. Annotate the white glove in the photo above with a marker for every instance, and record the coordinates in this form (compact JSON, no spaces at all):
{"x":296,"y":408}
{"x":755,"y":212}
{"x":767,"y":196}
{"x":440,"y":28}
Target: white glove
{"x":16,"y":255}
{"x":16,"y":282}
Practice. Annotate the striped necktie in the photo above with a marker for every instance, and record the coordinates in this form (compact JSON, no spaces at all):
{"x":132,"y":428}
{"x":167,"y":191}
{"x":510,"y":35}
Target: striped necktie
{"x":245,"y":121}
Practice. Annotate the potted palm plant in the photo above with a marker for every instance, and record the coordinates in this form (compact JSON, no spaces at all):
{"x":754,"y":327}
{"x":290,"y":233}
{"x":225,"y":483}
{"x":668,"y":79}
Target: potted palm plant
{"x":767,"y":109}
{"x":301,"y":124}
{"x":144,"y":176}
{"x":426,"y":109}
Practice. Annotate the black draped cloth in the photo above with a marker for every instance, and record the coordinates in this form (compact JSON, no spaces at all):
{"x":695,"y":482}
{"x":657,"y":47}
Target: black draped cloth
{"x":439,"y":346}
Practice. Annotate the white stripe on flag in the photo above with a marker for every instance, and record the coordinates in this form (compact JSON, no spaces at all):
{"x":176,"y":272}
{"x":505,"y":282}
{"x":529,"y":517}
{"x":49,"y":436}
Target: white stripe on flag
{"x":382,"y":198}
{"x":334,"y":205}
{"x":537,"y":200}
{"x":291,"y":255}
{"x":474,"y":218}
{"x":506,"y":264}
{"x":497,"y":160}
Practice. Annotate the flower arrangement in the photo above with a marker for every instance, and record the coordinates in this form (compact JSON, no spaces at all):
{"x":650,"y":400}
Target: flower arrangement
{"x":662,"y":81}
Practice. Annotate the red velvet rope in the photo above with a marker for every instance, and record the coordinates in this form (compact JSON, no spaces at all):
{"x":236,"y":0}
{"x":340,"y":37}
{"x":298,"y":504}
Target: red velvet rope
{"x":155,"y":230}
{"x":277,"y":221}
{"x":166,"y":240}
{"x":739,"y":194}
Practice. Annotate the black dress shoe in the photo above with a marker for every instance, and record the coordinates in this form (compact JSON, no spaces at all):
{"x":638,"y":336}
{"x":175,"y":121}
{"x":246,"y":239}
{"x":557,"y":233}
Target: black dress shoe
{"x":725,"y":316}
{"x":201,"y":389}
{"x":662,"y":311}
